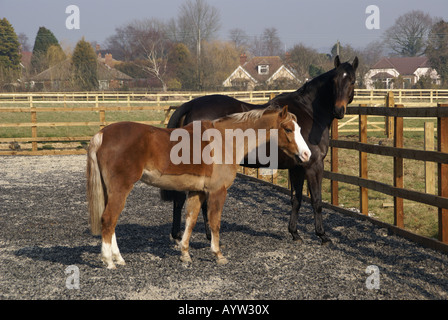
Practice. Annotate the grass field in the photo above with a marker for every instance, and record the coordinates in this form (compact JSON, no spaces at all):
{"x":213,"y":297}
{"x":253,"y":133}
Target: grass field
{"x":419,"y":218}
{"x":70,"y":131}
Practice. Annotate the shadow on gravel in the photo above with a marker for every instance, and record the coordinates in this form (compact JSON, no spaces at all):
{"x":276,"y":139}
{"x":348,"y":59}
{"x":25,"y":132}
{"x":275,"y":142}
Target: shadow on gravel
{"x":132,"y":238}
{"x":59,"y":254}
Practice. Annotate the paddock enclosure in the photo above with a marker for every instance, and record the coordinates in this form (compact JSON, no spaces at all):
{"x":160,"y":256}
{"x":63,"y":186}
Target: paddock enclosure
{"x":44,"y":232}
{"x":44,"y":223}
{"x":413,"y":195}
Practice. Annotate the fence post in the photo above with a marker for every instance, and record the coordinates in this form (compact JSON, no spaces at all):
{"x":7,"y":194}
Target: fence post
{"x":363,"y":192}
{"x":34,"y":124}
{"x":442,"y":146}
{"x":388,"y":120}
{"x":334,"y":164}
{"x":430,"y":168}
{"x":398,"y":170}
{"x":102,"y":118}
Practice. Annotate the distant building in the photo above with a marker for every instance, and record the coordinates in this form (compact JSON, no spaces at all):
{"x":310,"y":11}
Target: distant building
{"x":259,"y":71}
{"x":410,"y":69}
{"x":59,"y":76}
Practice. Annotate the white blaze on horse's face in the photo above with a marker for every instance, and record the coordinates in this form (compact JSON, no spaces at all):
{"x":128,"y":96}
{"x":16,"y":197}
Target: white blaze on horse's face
{"x":304,"y":151}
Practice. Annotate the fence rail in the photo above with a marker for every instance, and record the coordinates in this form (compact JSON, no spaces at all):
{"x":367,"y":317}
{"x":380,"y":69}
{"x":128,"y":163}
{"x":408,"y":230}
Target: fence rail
{"x":102,"y":102}
{"x":362,"y":96}
{"x":398,"y":153}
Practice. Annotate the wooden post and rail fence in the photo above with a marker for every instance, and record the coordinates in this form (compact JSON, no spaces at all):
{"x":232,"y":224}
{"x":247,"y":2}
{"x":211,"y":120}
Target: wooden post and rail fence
{"x":385,"y":104}
{"x":397,"y":113}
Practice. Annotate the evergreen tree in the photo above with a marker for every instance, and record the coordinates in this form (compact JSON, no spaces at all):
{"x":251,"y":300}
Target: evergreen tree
{"x":437,"y":50}
{"x":9,"y":46}
{"x":9,"y":53}
{"x":85,"y":66}
{"x":44,"y":40}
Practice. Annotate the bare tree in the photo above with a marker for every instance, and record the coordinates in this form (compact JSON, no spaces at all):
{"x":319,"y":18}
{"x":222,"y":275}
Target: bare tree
{"x":123,"y":42}
{"x":198,"y":21}
{"x":408,"y":36}
{"x":273,"y":44}
{"x":23,"y":40}
{"x":239,"y":39}
{"x":306,"y":62}
{"x":146,"y":44}
{"x":150,"y":36}
{"x":268,"y":44}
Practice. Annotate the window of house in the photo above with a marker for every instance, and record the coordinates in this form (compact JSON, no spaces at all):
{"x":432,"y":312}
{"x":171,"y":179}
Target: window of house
{"x":263,"y":69}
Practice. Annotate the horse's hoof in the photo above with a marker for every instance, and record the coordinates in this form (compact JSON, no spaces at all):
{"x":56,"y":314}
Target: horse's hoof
{"x":296,"y":238}
{"x":185,"y":259}
{"x":176,"y":240}
{"x":110,"y":266}
{"x":326,"y":242}
{"x":222,"y":261}
{"x":120,"y":262}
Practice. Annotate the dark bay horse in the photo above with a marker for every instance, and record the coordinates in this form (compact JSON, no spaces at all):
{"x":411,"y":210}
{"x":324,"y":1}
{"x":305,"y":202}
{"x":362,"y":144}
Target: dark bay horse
{"x":123,"y":153}
{"x":315,"y":104}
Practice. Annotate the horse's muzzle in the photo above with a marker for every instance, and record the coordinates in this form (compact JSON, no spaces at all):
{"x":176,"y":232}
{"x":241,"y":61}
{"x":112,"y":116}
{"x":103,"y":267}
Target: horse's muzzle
{"x":339,"y":112}
{"x":304,"y":156}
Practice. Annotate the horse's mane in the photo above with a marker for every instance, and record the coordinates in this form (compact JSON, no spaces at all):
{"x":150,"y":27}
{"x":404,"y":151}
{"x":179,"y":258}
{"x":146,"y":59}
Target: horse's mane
{"x":249,"y":115}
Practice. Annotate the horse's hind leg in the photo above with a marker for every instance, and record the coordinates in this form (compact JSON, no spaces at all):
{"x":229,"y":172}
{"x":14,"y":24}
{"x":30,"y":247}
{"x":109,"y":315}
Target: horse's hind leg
{"x":194,"y":202}
{"x":215,"y":205}
{"x":109,"y":247}
{"x":178,"y":204}
{"x":205,"y":215}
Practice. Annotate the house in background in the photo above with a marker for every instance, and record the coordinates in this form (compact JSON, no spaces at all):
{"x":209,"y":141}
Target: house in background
{"x":410,"y":69}
{"x":59,"y":76}
{"x":260,"y":71}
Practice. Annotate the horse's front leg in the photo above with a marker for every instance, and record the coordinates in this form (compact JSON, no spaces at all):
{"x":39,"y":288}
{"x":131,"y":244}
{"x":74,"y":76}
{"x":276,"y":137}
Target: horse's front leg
{"x":297,"y":177}
{"x":215,"y":205}
{"x":194,"y":202}
{"x":314,"y":177}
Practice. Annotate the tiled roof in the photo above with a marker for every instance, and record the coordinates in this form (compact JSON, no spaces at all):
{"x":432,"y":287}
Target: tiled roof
{"x":251,"y":66}
{"x":405,"y":65}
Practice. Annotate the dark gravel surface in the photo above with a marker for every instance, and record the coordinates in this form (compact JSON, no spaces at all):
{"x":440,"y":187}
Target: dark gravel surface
{"x":44,"y":230}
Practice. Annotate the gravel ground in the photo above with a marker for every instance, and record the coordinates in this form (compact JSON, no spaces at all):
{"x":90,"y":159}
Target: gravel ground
{"x":44,"y":231}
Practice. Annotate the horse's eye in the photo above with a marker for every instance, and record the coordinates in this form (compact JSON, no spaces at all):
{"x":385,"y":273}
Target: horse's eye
{"x":287,"y":130}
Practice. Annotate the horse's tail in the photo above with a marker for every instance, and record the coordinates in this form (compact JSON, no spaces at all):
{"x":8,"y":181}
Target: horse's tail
{"x":95,"y":190}
{"x":176,"y":118}
{"x":176,"y":121}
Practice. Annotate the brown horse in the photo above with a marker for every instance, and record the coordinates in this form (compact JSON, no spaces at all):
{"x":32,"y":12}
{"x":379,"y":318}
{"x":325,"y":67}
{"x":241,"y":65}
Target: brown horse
{"x":123,"y":153}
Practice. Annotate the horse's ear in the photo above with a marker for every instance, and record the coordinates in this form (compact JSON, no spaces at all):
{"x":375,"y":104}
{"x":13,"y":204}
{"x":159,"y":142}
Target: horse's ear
{"x":355,"y":63}
{"x":337,"y":62}
{"x":284,"y":112}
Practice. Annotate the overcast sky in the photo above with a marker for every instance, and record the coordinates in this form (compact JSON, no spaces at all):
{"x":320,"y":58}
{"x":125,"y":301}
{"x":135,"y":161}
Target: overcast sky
{"x":316,"y":23}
